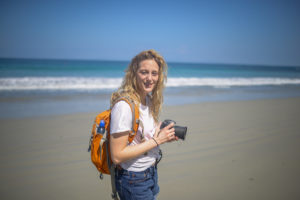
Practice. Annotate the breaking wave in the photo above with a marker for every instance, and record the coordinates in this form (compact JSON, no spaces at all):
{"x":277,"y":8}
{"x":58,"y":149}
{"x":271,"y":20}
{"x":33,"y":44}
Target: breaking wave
{"x":83,"y":83}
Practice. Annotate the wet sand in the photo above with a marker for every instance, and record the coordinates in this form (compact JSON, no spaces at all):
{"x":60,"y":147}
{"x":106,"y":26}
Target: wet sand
{"x":233,"y":150}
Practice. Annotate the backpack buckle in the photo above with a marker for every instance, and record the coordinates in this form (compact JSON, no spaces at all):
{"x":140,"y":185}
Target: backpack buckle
{"x":101,"y":176}
{"x":132,"y":133}
{"x":114,"y":196}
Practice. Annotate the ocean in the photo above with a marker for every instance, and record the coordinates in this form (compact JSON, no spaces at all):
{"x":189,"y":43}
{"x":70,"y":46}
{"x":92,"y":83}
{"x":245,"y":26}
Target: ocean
{"x":30,"y":87}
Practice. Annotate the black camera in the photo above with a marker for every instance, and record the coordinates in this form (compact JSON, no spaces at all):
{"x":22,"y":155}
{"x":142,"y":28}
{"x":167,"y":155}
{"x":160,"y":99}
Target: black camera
{"x":180,"y":131}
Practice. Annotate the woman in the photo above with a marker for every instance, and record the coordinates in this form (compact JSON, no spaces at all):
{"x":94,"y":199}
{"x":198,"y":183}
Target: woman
{"x":136,"y":176}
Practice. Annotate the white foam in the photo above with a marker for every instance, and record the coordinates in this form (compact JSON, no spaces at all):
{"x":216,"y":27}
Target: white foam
{"x":229,"y":82}
{"x":58,"y":83}
{"x":88,"y":83}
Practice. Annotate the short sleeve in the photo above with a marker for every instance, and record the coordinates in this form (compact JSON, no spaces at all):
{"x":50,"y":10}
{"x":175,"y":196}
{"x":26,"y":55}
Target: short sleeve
{"x":121,"y":118}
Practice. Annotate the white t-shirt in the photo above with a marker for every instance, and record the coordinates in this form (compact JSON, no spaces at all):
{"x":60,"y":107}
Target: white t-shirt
{"x":121,"y":121}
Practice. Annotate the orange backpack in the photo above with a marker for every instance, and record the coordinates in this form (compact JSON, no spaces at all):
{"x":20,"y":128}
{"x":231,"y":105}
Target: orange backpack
{"x":99,"y":145}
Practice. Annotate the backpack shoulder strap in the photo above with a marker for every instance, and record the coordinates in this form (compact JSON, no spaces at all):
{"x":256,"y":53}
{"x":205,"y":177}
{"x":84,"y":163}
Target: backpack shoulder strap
{"x":135,"y":117}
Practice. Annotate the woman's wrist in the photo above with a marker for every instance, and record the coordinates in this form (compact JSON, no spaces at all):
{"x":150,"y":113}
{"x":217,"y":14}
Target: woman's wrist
{"x":155,"y":142}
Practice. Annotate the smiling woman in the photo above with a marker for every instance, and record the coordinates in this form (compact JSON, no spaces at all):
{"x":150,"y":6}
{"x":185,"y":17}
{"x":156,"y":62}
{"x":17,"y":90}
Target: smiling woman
{"x":136,"y":172}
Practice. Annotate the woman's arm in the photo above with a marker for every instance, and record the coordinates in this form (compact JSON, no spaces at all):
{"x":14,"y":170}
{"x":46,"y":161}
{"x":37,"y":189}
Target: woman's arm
{"x":121,"y":152}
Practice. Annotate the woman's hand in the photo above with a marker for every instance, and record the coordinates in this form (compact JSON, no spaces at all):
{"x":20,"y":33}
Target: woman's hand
{"x":167,"y":134}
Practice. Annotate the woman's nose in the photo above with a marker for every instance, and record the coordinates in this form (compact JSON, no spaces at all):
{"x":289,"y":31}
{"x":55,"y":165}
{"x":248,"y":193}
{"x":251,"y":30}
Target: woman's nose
{"x":149,"y":77}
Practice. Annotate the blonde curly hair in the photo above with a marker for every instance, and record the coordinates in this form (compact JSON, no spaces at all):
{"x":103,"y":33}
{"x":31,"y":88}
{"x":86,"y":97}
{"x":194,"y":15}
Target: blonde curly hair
{"x":129,"y":85}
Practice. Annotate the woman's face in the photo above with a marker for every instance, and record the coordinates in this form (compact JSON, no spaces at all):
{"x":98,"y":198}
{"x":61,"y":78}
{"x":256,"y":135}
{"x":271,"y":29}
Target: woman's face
{"x":147,"y":76}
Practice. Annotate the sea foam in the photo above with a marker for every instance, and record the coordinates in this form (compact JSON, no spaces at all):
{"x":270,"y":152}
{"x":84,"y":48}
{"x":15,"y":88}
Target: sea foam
{"x":98,"y":83}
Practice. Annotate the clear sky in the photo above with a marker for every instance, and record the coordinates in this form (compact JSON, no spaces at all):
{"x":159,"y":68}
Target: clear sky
{"x":241,"y":31}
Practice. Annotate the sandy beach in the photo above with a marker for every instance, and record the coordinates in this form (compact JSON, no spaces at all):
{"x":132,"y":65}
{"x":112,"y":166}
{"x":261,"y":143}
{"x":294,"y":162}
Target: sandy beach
{"x":233,"y":150}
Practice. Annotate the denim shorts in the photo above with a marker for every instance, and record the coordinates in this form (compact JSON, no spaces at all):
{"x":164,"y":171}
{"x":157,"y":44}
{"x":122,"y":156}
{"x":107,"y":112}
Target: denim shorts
{"x":137,"y":185}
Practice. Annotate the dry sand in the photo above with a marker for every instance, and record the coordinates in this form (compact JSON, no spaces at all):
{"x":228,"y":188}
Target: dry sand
{"x":233,"y":150}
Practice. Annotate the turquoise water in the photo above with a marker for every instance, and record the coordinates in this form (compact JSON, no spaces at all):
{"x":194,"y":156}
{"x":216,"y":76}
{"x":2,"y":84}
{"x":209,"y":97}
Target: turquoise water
{"x":43,"y":87}
{"x":113,"y":69}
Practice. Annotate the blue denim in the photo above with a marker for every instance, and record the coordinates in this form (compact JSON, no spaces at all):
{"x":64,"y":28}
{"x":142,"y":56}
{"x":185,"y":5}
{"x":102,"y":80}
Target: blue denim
{"x":137,"y":185}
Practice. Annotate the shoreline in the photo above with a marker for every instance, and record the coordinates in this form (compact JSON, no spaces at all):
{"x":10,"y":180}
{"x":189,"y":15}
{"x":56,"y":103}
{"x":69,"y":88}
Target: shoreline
{"x":50,"y":106}
{"x":233,"y":150}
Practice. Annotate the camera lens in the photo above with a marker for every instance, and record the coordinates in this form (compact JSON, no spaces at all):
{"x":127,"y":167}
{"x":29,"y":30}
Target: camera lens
{"x":180,"y":131}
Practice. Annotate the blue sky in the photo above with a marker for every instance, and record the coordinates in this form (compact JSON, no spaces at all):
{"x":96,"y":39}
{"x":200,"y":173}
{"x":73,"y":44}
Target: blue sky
{"x":240,"y":32}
